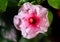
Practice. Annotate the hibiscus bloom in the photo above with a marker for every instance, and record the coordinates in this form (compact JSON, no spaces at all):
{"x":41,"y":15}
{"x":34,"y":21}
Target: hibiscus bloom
{"x":31,"y":20}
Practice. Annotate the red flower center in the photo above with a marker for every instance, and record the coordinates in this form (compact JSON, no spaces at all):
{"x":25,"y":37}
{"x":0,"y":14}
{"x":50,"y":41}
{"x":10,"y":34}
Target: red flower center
{"x":32,"y":20}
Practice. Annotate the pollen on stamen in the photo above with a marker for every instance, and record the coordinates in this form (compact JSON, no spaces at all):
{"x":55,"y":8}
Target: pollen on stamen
{"x":32,"y":21}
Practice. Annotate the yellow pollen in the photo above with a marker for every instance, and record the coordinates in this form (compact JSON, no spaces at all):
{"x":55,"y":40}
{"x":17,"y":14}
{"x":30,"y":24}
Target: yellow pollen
{"x":31,"y":20}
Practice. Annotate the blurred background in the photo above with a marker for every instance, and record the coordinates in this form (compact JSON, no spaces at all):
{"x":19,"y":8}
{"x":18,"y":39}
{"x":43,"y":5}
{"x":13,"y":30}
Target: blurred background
{"x":9,"y":8}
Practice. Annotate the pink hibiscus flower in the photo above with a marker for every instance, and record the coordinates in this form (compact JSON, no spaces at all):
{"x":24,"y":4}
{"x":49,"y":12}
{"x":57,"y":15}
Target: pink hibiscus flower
{"x":31,"y":20}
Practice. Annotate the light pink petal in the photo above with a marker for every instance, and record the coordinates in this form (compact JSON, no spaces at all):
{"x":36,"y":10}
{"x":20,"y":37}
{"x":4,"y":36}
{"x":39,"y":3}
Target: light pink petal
{"x":17,"y":22}
{"x":25,"y":7}
{"x":44,"y":24}
{"x":40,"y":10}
{"x":31,"y":32}
{"x":29,"y":36}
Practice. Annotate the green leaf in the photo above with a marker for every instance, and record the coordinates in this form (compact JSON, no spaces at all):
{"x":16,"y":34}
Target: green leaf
{"x":12,"y":3}
{"x":49,"y":31}
{"x":39,"y":1}
{"x":31,"y":1}
{"x":23,"y":1}
{"x":46,"y":39}
{"x":1,"y":39}
{"x":54,"y":3}
{"x":50,"y":16}
{"x":3,"y":5}
{"x":38,"y":37}
{"x":25,"y":40}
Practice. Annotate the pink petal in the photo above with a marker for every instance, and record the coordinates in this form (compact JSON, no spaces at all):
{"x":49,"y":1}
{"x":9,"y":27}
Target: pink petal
{"x":36,"y":12}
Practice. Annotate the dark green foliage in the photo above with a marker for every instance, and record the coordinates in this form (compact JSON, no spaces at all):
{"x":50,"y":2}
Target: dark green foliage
{"x":9,"y":8}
